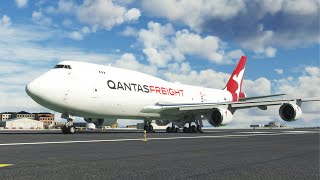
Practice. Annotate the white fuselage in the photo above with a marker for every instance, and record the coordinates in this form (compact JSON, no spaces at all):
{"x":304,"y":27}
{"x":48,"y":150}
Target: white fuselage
{"x":97,"y":91}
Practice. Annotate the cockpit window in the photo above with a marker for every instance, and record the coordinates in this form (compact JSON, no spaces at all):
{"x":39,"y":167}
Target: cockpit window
{"x":62,"y":66}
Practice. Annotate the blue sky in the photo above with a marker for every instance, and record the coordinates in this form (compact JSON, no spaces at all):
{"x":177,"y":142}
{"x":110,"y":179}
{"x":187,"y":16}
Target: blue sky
{"x":194,"y":42}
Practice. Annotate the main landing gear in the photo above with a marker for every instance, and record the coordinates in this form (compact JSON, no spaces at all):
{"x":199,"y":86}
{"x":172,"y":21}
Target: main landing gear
{"x":172,"y":129}
{"x":193,"y":129}
{"x":190,"y":129}
{"x":68,"y":128}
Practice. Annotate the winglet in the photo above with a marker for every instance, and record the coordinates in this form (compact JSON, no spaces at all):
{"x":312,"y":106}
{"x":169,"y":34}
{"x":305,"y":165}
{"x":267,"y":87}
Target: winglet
{"x":234,"y":85}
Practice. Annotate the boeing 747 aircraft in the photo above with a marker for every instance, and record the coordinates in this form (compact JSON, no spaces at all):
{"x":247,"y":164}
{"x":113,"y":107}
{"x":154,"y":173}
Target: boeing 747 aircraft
{"x":103,"y":94}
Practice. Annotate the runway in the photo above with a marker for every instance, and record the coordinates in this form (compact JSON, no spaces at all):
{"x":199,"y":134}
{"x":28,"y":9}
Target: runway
{"x":215,"y":154}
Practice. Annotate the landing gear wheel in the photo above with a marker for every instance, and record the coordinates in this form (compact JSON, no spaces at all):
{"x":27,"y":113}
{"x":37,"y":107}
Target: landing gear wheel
{"x":193,"y":129}
{"x":168,"y":129}
{"x":199,"y":129}
{"x":72,"y":129}
{"x":64,"y":129}
{"x":185,"y":129}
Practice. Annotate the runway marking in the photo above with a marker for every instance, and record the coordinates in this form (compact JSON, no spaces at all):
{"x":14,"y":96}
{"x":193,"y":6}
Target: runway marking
{"x":5,"y":165}
{"x":141,"y":139}
{"x":303,"y":132}
{"x":257,"y":132}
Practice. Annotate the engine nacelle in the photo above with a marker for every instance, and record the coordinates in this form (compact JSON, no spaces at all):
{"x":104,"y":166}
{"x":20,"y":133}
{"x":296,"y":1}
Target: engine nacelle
{"x":99,"y":122}
{"x":219,"y":117}
{"x":162,"y":122}
{"x":290,"y":112}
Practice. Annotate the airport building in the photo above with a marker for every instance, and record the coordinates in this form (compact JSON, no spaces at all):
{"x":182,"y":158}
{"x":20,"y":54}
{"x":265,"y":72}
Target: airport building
{"x":6,"y":115}
{"x":46,"y":118}
{"x":22,"y":114}
{"x":21,"y":123}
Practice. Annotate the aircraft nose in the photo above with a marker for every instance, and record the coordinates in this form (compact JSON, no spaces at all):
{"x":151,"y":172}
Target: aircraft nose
{"x":32,"y":89}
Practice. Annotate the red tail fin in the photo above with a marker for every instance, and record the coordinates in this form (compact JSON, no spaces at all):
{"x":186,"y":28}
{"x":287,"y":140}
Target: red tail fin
{"x":234,"y":85}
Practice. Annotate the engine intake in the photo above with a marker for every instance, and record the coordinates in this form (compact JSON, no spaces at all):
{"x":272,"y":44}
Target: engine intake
{"x":290,"y":112}
{"x":219,"y":117}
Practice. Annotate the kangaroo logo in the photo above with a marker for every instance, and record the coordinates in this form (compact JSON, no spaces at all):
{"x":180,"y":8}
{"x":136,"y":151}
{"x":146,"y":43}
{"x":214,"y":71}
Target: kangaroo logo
{"x":238,"y":78}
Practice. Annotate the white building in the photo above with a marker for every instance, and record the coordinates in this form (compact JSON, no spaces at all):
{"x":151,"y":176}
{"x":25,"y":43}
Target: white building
{"x":23,"y":123}
{"x":155,"y":126}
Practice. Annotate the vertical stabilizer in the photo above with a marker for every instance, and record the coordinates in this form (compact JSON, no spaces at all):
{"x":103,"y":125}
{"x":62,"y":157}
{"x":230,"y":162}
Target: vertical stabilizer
{"x":234,"y":85}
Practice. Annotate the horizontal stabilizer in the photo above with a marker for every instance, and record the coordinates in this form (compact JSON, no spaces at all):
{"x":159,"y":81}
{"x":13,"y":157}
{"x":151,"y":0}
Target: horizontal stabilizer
{"x":260,"y":97}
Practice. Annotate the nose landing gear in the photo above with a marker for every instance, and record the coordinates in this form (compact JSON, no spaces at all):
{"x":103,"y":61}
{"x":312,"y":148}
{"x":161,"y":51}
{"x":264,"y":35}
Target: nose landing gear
{"x":68,"y":128}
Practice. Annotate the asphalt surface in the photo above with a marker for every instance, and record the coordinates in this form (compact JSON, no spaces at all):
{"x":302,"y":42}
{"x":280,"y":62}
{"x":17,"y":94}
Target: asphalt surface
{"x":215,"y":154}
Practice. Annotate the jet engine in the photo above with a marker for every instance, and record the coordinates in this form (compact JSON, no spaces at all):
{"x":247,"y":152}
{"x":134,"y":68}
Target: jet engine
{"x":162,"y":122}
{"x":219,"y":117}
{"x":290,"y":112}
{"x":99,"y":122}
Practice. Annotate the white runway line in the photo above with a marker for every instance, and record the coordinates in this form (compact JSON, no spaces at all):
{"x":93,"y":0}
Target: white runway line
{"x":257,"y":132}
{"x":297,"y":132}
{"x":165,"y":138}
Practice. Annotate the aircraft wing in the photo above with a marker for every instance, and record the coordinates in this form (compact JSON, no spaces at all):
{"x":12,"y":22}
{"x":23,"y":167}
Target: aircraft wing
{"x":164,"y":108}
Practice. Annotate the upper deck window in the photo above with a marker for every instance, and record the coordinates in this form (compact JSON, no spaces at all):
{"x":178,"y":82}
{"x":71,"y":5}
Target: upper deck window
{"x":62,"y":66}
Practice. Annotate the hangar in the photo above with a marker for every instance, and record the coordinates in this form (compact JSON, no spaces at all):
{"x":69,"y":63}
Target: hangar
{"x":21,"y":123}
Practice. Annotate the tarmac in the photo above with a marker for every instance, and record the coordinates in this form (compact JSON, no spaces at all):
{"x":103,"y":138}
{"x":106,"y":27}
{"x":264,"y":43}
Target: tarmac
{"x":215,"y":154}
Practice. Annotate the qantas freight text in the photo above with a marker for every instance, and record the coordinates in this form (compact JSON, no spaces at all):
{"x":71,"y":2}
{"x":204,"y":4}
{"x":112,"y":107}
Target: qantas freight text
{"x":144,"y":88}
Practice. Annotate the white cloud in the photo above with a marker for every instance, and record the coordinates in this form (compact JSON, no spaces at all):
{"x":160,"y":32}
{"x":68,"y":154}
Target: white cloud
{"x":194,"y":44}
{"x":79,"y":35}
{"x":5,"y":21}
{"x":287,"y":23}
{"x":21,"y":3}
{"x":132,"y":14}
{"x":193,"y":13}
{"x":271,"y":6}
{"x":161,"y":45}
{"x":76,"y":35}
{"x":156,"y":58}
{"x":301,"y":7}
{"x":207,"y":78}
{"x":258,"y":87}
{"x":39,"y":18}
{"x":258,"y":43}
{"x":67,"y":23}
{"x":129,"y":31}
{"x":156,"y":35}
{"x":279,"y":71}
{"x":129,"y":61}
{"x":22,"y":43}
{"x":66,"y":6}
{"x":306,"y":85}
{"x":105,"y":14}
